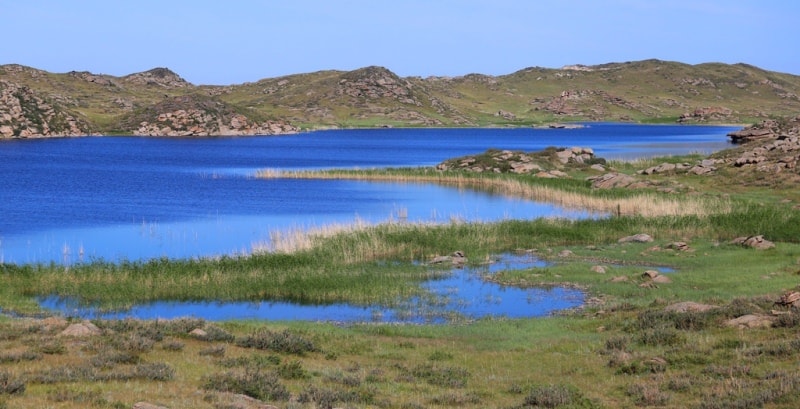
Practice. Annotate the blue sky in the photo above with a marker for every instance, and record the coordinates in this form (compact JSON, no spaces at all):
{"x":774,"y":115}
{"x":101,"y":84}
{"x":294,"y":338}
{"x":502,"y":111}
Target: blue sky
{"x":231,"y":42}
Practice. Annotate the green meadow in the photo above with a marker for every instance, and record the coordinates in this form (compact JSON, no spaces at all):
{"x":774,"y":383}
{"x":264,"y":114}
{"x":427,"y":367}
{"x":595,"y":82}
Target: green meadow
{"x":628,"y":346}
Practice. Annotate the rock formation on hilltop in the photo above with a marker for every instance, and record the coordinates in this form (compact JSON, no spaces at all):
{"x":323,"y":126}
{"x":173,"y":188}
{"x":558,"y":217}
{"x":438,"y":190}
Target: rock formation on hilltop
{"x":162,"y":77}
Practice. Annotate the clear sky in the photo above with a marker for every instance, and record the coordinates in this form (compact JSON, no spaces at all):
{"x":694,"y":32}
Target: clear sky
{"x":225,"y":42}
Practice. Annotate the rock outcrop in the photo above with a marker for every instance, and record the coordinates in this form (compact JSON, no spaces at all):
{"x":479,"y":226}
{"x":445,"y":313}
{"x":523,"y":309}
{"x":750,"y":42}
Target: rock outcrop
{"x":196,"y":115}
{"x":757,"y":242}
{"x":545,"y":164}
{"x":766,"y":130}
{"x":160,"y":77}
{"x":25,"y":113}
{"x":377,"y":82}
{"x":706,"y":114}
{"x":196,"y":122}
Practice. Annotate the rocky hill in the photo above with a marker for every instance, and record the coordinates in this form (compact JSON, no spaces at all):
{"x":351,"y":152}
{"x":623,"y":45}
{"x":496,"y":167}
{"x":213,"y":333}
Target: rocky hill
{"x":159,"y":102}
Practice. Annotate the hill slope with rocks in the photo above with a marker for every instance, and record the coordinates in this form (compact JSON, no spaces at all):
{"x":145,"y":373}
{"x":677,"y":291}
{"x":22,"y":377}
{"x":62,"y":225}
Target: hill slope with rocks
{"x":36,"y":103}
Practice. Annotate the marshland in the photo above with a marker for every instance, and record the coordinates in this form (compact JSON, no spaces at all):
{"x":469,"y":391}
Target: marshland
{"x":633,"y":342}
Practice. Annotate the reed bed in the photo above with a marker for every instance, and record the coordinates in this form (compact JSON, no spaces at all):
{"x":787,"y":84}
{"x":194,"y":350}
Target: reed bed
{"x":646,"y":204}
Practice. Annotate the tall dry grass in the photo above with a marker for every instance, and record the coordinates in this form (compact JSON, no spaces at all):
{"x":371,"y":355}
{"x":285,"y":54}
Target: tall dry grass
{"x":646,"y":204}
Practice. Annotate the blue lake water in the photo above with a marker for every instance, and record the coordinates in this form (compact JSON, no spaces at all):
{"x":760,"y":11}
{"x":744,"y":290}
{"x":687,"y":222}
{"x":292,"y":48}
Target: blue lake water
{"x":77,"y":199}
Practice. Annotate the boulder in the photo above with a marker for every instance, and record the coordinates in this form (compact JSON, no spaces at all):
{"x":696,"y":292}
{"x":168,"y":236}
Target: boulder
{"x":198,"y":333}
{"x":81,"y":330}
{"x":750,"y":134}
{"x":756,"y":242}
{"x":679,"y":246}
{"x":598,"y":269}
{"x":636,"y":238}
{"x":612,"y":180}
{"x":662,"y":279}
{"x":751,"y":321}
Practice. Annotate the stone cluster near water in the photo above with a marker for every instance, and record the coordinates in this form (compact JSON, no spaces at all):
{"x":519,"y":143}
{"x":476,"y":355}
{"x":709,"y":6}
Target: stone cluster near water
{"x":547,"y":163}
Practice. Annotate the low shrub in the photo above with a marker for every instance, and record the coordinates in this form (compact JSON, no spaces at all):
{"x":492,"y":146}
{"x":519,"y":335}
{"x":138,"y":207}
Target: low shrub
{"x":255,"y":383}
{"x":292,"y":370}
{"x":216,"y":350}
{"x":647,"y":395}
{"x":173,"y":346}
{"x":552,"y":396}
{"x":326,"y":398}
{"x":661,"y":337}
{"x":10,"y":385}
{"x":110,"y":360}
{"x":614,"y":344}
{"x":446,"y":376}
{"x":284,"y":342}
{"x":154,"y":372}
{"x":16,"y":357}
{"x":217,"y":334}
{"x":457,"y":399}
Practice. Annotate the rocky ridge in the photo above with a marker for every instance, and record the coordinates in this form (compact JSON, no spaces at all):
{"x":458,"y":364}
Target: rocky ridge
{"x":24,"y":113}
{"x":201,"y":116}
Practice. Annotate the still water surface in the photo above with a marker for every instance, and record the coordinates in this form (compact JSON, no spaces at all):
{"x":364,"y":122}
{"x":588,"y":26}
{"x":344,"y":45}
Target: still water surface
{"x":78,"y":199}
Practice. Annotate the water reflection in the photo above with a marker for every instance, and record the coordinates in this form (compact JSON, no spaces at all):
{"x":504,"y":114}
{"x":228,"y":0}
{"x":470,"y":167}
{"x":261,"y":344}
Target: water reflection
{"x":463,"y":295}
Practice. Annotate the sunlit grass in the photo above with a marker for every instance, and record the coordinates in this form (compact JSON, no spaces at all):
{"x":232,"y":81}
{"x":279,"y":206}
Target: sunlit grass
{"x":563,"y":193}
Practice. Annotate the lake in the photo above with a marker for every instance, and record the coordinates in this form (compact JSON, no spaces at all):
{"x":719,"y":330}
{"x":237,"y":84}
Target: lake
{"x":76,"y":199}
{"x":114,"y":198}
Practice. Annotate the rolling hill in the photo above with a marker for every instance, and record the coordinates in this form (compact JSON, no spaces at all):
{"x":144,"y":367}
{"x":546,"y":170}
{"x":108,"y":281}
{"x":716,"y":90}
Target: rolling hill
{"x":158,"y":102}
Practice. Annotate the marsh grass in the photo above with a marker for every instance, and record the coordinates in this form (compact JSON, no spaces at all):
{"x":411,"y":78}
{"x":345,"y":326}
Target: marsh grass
{"x":567,"y":193}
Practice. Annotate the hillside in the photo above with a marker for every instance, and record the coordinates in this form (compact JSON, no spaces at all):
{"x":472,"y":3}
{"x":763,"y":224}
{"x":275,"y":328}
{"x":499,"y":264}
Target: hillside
{"x":159,"y":102}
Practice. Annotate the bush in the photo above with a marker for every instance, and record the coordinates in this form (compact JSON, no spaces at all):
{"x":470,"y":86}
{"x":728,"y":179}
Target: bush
{"x":217,"y":350}
{"x":154,"y":372}
{"x":285,"y":342}
{"x":255,"y":383}
{"x":326,"y":398}
{"x":450,"y":377}
{"x":9,"y":385}
{"x":292,"y":370}
{"x":551,"y":396}
{"x":217,"y":334}
{"x":647,"y":395}
{"x":661,"y":337}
